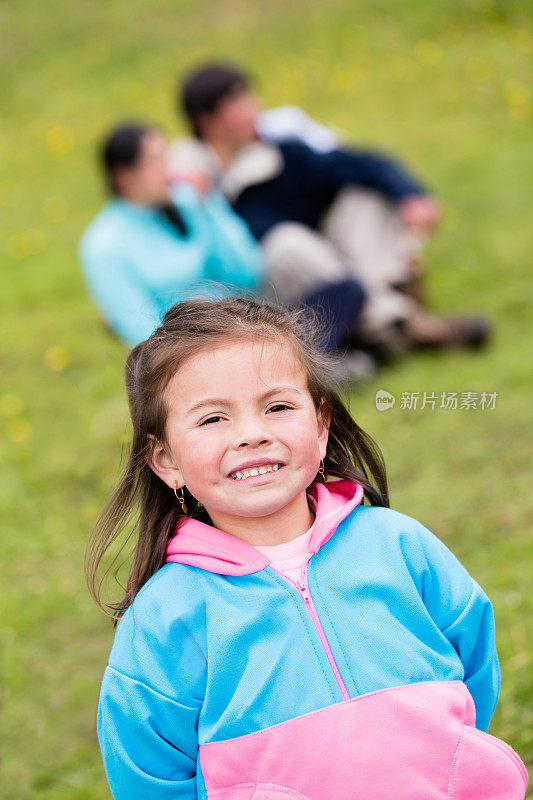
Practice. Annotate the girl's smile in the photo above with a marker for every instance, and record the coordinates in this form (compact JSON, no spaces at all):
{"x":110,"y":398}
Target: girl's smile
{"x":259,"y":470}
{"x":244,"y":436}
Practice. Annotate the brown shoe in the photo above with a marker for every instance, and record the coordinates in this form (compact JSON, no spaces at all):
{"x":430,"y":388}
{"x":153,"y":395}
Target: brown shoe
{"x":429,"y":331}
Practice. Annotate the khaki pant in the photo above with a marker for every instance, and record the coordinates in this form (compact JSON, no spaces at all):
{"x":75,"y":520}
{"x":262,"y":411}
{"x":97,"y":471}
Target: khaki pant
{"x":361,"y":236}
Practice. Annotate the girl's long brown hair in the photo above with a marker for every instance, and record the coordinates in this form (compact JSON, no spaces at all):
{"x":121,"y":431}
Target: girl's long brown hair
{"x":142,"y":500}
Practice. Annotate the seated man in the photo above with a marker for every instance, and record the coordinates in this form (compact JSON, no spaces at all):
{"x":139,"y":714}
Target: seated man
{"x":154,"y":242}
{"x":320,"y":212}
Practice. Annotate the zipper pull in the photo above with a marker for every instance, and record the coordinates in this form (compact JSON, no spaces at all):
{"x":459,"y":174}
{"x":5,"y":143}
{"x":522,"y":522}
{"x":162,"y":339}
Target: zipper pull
{"x":303,"y":591}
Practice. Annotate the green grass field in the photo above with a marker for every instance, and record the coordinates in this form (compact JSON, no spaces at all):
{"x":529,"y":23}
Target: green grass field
{"x":444,"y":85}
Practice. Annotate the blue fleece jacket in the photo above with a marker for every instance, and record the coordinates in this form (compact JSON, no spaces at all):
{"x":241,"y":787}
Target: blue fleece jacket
{"x":137,"y":265}
{"x":227,"y":680}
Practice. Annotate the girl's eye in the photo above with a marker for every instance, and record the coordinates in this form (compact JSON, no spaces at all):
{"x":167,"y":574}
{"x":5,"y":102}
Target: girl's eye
{"x":277,"y":407}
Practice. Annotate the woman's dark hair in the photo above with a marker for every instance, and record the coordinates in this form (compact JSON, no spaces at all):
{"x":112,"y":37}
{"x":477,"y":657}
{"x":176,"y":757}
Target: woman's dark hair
{"x":189,"y":328}
{"x":204,"y":88}
{"x":121,"y":148}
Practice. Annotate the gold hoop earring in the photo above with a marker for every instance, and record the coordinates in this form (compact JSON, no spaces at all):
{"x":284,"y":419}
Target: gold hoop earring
{"x":321,"y":470}
{"x":180,"y":498}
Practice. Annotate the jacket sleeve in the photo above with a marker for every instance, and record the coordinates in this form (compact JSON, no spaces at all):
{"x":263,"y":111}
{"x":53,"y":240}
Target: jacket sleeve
{"x":464,"y":615}
{"x":338,"y":168}
{"x":148,"y":740}
{"x":126,"y":305}
{"x":150,"y":700}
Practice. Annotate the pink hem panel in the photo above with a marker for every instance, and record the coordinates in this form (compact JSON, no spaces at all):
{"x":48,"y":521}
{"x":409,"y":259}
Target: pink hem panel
{"x":415,"y":742}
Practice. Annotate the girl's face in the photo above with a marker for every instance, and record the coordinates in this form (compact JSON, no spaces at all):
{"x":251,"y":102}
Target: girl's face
{"x":240,"y":406}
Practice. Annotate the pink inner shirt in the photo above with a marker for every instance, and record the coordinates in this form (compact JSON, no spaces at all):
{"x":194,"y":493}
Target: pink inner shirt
{"x":289,"y":557}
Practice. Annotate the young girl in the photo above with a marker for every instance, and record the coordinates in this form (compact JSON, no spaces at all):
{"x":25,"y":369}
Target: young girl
{"x":283,"y":636}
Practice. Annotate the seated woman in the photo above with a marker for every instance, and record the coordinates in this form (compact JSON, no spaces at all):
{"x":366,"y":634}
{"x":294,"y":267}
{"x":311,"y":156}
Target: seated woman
{"x":155,"y":241}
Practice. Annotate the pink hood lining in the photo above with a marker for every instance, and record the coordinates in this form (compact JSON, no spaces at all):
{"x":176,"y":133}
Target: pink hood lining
{"x":212,"y":549}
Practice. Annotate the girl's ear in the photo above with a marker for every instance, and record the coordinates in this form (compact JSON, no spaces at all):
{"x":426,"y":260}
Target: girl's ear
{"x":160,"y":460}
{"x":324,"y":421}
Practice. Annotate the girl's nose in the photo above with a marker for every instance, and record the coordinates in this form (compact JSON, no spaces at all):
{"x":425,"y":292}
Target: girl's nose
{"x":252,"y":442}
{"x":251,"y":435}
{"x":251,"y":430}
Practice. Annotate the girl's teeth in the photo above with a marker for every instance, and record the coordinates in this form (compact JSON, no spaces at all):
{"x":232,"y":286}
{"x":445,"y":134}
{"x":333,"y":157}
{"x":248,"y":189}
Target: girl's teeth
{"x":250,"y":473}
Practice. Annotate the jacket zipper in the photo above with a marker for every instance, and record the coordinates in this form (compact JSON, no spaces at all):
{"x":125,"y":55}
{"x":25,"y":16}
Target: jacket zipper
{"x":305,"y":594}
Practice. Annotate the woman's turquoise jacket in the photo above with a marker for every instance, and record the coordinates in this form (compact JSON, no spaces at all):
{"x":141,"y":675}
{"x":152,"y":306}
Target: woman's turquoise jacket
{"x":136,"y":264}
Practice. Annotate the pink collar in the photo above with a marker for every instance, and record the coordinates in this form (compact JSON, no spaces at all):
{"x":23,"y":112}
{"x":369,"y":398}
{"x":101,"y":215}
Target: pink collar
{"x":205,"y":546}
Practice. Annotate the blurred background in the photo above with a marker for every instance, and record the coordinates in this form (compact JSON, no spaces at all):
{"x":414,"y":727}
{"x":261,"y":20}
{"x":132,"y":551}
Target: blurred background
{"x":443,"y":86}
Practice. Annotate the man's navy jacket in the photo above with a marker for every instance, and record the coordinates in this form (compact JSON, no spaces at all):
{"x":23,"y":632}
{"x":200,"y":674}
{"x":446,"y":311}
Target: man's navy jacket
{"x":308,"y":182}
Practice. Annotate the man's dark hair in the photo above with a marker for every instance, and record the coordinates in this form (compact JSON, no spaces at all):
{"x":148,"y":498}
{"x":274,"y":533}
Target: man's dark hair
{"x":121,"y":148}
{"x":202,"y":90}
